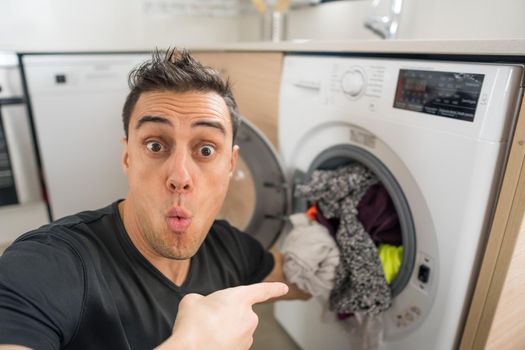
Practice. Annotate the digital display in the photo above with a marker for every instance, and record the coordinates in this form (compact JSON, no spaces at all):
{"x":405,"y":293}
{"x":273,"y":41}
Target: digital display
{"x":445,"y":94}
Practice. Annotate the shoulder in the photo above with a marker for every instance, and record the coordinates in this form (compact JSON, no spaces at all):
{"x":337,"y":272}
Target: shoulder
{"x":42,"y":287}
{"x":223,"y":227}
{"x":88,"y":217}
{"x":45,"y":276}
{"x":38,"y":257}
{"x":51,"y":256}
{"x":76,"y":231}
{"x":61,"y":248}
{"x":223,"y":233}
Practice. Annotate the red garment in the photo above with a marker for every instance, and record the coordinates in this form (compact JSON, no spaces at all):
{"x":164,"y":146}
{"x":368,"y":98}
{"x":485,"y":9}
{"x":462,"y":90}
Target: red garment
{"x":312,"y":213}
{"x":316,"y":215}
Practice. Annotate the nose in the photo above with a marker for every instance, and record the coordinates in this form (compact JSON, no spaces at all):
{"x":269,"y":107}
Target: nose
{"x":179,"y":175}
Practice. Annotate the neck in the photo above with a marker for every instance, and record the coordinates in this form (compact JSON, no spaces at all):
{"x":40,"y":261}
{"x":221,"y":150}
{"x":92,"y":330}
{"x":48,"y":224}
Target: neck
{"x":175,"y":270}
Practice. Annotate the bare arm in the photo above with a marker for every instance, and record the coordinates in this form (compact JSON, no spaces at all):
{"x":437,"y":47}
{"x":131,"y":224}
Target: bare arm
{"x":277,"y":275}
{"x":13,"y":347}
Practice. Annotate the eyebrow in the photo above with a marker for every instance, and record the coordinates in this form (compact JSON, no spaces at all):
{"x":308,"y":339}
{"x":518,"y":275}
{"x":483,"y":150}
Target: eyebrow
{"x":152,"y":119}
{"x":156,"y":119}
{"x":211,"y":124}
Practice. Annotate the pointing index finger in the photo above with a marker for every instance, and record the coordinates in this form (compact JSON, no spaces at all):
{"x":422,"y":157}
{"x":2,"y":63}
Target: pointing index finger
{"x":261,"y":292}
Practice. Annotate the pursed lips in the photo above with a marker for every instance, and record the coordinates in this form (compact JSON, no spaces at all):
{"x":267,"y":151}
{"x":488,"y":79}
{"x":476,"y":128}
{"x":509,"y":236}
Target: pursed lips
{"x":178,"y":219}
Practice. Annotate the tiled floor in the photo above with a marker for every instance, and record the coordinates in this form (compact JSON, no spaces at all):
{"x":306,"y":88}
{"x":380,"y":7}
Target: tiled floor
{"x":269,"y":334}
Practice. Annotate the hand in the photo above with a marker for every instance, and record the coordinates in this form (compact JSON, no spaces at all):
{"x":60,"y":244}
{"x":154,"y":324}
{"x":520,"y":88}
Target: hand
{"x":222,"y":320}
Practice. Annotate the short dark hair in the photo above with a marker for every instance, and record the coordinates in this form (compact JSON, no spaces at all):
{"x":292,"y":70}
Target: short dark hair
{"x":176,"y":70}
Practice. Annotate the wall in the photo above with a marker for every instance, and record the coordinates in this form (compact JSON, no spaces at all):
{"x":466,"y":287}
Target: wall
{"x":103,"y":25}
{"x":125,"y":25}
{"x":421,"y":19}
{"x":463,"y":19}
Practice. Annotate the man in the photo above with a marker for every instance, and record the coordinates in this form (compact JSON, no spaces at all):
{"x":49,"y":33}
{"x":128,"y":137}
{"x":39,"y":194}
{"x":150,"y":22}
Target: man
{"x":114,"y":278}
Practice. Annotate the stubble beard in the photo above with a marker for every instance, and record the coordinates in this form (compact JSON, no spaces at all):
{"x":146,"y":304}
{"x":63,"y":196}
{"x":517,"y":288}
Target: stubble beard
{"x":177,"y":250}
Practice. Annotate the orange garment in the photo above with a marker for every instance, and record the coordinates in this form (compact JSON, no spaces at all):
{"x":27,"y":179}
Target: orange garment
{"x":312,"y":213}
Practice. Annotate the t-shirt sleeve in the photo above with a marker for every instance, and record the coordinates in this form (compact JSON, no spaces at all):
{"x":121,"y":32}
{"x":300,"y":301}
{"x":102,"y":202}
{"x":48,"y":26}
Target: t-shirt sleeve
{"x":41,"y":291}
{"x":255,"y":260}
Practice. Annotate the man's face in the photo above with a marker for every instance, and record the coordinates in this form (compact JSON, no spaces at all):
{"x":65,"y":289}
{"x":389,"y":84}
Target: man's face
{"x":178,"y":159}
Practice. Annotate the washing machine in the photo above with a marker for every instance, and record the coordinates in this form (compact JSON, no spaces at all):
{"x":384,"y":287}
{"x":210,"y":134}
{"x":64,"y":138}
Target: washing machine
{"x":436,"y":134}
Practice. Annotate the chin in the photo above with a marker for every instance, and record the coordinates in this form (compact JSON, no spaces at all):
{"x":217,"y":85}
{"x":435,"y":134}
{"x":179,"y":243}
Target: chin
{"x":184,"y":253}
{"x":174,"y":255}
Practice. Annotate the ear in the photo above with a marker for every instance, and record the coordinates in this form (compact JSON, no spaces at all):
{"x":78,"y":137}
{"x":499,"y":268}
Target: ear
{"x":233,"y":163}
{"x":125,"y":155}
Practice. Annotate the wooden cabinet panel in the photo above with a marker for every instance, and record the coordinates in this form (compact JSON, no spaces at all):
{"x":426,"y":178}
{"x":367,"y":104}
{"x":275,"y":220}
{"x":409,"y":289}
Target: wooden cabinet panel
{"x":495,"y":317}
{"x":508,"y":329}
{"x":255,"y":79}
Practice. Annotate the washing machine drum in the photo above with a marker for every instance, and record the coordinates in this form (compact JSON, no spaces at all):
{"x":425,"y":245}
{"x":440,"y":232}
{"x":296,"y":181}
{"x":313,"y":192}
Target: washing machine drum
{"x":345,"y":154}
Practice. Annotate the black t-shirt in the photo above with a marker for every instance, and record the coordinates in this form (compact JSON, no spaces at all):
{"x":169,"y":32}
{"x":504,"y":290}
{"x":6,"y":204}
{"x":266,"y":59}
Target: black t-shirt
{"x":80,"y":283}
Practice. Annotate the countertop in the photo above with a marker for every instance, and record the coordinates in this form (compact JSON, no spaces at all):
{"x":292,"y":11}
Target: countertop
{"x":513,"y":49}
{"x":510,"y":47}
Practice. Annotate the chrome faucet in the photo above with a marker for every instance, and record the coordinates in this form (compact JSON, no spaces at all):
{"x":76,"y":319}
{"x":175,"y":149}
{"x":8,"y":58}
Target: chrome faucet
{"x":384,"y":18}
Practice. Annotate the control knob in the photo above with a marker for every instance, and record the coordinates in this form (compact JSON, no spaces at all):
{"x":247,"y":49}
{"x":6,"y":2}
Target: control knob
{"x":353,"y":82}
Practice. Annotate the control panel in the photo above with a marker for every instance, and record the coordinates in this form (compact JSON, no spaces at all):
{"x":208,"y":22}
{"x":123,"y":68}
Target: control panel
{"x":446,"y":94}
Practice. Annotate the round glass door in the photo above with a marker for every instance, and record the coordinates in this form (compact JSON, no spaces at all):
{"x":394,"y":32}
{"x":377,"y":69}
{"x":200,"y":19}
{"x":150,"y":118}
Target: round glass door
{"x":257,"y":199}
{"x":239,"y":204}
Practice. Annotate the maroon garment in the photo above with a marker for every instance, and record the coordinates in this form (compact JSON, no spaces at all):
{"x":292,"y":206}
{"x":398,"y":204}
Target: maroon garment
{"x":330,"y":224}
{"x":379,"y":217}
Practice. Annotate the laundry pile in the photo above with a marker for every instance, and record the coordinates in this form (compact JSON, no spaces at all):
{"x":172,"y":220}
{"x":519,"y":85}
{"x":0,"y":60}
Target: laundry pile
{"x":354,"y":208}
{"x":311,"y":256}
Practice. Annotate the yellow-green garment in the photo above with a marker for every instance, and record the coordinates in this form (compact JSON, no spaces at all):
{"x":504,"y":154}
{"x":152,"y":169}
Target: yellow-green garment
{"x":391,"y":257}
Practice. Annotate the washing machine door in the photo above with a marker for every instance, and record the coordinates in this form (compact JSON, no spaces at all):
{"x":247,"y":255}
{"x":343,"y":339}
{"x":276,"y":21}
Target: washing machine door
{"x":257,"y":200}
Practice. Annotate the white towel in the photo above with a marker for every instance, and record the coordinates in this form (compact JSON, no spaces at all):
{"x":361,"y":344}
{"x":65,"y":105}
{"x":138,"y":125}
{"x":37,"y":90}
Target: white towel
{"x":366,"y":331}
{"x":311,"y":256}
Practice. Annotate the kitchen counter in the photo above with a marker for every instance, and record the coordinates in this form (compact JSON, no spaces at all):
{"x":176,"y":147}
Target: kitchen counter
{"x":511,"y":48}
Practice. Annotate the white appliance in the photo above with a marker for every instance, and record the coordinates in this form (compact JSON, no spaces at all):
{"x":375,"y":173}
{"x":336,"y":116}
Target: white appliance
{"x":436,"y":134}
{"x":76,"y":103}
{"x":22,"y":206}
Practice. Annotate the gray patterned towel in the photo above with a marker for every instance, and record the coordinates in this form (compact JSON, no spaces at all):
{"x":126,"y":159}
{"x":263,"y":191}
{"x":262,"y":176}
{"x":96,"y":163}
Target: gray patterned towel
{"x":360,"y":285}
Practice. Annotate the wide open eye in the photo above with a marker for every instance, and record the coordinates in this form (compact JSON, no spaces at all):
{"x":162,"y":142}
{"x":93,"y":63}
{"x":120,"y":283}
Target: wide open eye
{"x":154,"y":146}
{"x":206,"y":151}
